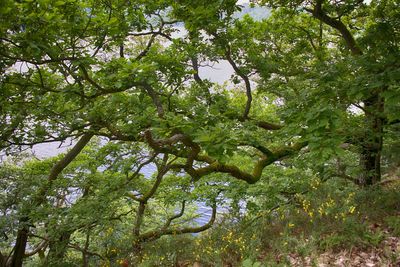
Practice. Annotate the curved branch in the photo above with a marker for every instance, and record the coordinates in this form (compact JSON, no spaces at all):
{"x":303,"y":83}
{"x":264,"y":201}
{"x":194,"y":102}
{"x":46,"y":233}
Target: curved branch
{"x":246,"y":82}
{"x":319,"y":14}
{"x":175,"y":216}
{"x":61,"y":165}
{"x":160,"y":174}
{"x":193,"y":154}
{"x":253,"y":177}
{"x":268,"y":125}
{"x":147,"y":48}
{"x":42,"y":245}
{"x":153,"y":235}
{"x":89,"y":79}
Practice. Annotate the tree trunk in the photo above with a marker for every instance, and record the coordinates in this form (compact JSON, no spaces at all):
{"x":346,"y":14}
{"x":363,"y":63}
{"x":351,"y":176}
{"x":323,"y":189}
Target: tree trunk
{"x":85,"y":260}
{"x":137,"y":244}
{"x":58,"y":248}
{"x":3,"y":260}
{"x":371,"y":147}
{"x":137,"y":252}
{"x":20,"y":244}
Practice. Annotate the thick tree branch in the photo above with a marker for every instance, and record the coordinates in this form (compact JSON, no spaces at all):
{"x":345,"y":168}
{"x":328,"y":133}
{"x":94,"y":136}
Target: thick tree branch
{"x":268,"y":125}
{"x":319,"y":14}
{"x":139,"y":219}
{"x":162,"y":170}
{"x":147,"y":48}
{"x":70,"y":156}
{"x":41,"y":246}
{"x":193,"y":154}
{"x":195,"y":66}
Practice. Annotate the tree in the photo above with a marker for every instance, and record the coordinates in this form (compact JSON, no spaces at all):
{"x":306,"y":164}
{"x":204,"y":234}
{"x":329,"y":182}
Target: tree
{"x":85,"y":200}
{"x":116,"y":70}
{"x":72,"y":91}
{"x":370,"y":62}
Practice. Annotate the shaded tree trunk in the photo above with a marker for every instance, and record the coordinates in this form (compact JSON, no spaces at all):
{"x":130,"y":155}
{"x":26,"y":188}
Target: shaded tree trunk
{"x":3,"y":260}
{"x":58,"y":248}
{"x":20,"y":244}
{"x":85,"y":256}
{"x":137,"y":252}
{"x":371,"y":147}
{"x":137,"y":245}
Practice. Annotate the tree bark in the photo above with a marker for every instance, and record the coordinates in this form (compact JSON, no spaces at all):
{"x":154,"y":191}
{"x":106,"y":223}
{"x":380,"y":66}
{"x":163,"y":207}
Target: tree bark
{"x":371,"y":147}
{"x":3,"y":260}
{"x":20,"y":244}
{"x":58,"y":248}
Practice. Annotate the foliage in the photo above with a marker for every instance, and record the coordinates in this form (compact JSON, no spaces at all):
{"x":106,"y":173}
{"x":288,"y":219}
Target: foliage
{"x":295,"y":143}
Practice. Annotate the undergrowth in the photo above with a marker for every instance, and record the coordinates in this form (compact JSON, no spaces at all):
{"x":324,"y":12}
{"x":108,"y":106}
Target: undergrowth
{"x":330,"y":217}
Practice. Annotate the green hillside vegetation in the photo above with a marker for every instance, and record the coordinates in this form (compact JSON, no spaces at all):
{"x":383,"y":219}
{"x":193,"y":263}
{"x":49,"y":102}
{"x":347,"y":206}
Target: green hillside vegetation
{"x":295,"y":157}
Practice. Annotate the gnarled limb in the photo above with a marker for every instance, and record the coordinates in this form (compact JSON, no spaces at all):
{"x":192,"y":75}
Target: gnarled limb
{"x":193,"y":154}
{"x":153,"y":235}
{"x":250,"y":178}
{"x":215,"y":166}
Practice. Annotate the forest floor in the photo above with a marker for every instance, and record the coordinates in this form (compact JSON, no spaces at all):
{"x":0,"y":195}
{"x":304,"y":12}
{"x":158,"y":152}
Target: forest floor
{"x":387,"y":254}
{"x":334,"y":226}
{"x":372,"y":257}
{"x":380,"y":245}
